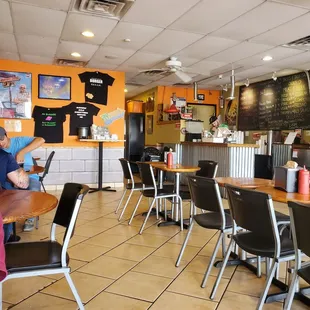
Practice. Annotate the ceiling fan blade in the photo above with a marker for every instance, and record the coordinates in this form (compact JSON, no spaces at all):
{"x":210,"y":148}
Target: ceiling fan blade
{"x":153,"y":70}
{"x":183,"y":76}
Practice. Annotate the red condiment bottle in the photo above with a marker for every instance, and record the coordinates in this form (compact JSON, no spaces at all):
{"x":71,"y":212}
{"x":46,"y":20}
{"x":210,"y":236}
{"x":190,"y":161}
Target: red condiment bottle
{"x":303,"y":181}
{"x":170,"y":159}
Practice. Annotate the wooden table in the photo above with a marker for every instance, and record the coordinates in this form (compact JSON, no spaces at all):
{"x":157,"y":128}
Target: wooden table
{"x":34,"y":169}
{"x":244,"y":182}
{"x":19,"y":205}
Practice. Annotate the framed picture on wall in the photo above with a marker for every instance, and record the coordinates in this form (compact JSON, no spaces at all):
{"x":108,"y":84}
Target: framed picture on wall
{"x":54,"y":87}
{"x":149,"y":124}
{"x":15,"y":95}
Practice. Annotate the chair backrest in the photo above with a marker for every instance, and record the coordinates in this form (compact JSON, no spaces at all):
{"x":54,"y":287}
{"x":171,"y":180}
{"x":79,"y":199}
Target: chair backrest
{"x":147,"y":175}
{"x":47,"y":164}
{"x":149,"y":151}
{"x":253,"y":211}
{"x":300,"y":219}
{"x":126,"y":168}
{"x":208,"y":168}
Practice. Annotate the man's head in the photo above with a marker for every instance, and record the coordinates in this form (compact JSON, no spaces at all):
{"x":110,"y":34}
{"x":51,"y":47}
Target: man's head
{"x":4,"y":140}
{"x":22,"y":88}
{"x":214,"y":121}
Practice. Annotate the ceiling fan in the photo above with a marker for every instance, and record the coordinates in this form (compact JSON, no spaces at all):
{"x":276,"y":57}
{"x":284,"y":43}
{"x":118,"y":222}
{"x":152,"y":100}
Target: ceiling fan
{"x":173,"y":65}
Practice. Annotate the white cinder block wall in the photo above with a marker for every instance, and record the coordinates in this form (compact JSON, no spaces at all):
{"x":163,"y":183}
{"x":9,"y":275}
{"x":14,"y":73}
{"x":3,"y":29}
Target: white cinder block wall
{"x":77,"y":164}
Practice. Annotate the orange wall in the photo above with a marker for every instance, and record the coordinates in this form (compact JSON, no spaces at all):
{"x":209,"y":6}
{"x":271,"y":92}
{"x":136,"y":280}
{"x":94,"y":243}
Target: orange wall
{"x":116,"y":98}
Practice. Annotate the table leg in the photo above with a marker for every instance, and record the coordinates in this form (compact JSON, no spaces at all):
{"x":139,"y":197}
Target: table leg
{"x":100,"y":188}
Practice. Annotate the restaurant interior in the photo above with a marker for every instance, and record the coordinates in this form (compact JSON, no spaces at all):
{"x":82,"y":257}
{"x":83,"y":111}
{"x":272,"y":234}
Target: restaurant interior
{"x":154,"y":154}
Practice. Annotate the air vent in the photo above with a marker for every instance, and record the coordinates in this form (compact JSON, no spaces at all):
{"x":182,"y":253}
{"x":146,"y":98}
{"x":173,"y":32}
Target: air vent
{"x":69,"y":62}
{"x":115,"y":9}
{"x":303,"y":43}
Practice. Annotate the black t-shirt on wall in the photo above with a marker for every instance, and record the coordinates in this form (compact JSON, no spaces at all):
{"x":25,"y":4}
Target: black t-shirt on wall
{"x":81,"y":115}
{"x":96,"y":86}
{"x":49,"y":123}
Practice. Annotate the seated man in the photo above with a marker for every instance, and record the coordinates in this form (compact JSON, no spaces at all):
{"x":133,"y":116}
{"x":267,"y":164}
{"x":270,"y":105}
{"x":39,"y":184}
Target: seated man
{"x":10,"y":170}
{"x":20,"y":148}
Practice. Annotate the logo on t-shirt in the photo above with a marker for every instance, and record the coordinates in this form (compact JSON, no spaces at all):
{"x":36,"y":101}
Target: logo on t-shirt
{"x":96,"y":81}
{"x":49,"y":118}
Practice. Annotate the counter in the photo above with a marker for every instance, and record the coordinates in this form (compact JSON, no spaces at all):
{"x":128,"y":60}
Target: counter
{"x":235,"y":160}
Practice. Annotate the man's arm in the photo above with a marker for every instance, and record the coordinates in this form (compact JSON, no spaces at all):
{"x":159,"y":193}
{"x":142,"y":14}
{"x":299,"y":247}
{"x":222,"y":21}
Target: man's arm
{"x":19,"y":178}
{"x":37,"y":142}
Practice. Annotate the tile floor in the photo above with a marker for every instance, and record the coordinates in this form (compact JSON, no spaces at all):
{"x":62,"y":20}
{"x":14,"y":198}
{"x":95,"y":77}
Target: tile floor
{"x":114,"y":267}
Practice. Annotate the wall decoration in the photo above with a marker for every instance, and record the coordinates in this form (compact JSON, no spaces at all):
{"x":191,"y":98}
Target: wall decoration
{"x":15,"y":95}
{"x":150,"y":103}
{"x":231,"y":108}
{"x":160,"y":112}
{"x":149,"y":124}
{"x":54,"y":87}
{"x":111,"y":117}
{"x":13,"y":125}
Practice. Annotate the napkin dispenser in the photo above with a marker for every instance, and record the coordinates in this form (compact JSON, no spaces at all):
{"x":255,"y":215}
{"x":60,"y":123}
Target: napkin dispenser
{"x":286,"y":179}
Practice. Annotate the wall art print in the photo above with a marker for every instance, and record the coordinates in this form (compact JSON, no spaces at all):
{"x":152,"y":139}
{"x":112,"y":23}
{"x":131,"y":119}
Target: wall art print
{"x":15,"y":95}
{"x":54,"y":87}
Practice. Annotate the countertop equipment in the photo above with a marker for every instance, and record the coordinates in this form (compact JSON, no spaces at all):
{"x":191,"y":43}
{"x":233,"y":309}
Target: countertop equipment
{"x":194,"y":130}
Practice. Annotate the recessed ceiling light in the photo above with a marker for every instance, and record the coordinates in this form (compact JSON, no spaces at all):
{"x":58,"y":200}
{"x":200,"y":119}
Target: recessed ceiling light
{"x":88,"y":34}
{"x":127,"y":40}
{"x":75,"y":54}
{"x":126,"y":90}
{"x":267,"y":58}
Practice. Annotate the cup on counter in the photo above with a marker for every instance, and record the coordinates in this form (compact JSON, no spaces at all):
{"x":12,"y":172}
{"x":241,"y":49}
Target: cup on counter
{"x":114,"y":137}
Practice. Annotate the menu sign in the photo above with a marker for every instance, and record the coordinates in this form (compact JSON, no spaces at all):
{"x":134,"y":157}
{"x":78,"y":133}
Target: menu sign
{"x":277,"y":105}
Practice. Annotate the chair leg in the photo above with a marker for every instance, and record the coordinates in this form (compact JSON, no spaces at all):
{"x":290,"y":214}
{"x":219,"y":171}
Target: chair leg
{"x":212,"y":259}
{"x":223,"y":245}
{"x":270,"y":276}
{"x":43,"y":186}
{"x":259,"y":267}
{"x":177,"y":264}
{"x":147,"y":216}
{"x":74,"y":291}
{"x":191,"y":212}
{"x":120,"y":202}
{"x":0,"y":295}
{"x":37,"y":222}
{"x":165,"y":208}
{"x":220,"y":274}
{"x":157,"y":206}
{"x":291,"y":292}
{"x":135,"y":209}
{"x":125,"y":206}
{"x":181,"y":212}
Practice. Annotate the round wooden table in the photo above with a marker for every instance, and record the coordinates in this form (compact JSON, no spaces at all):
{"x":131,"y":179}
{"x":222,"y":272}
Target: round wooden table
{"x":18,"y":205}
{"x":244,"y":182}
{"x":34,"y":169}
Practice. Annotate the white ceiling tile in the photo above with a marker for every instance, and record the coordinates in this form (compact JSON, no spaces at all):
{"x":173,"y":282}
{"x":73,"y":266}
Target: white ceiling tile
{"x":171,"y":41}
{"x":37,"y":21}
{"x":130,"y":70}
{"x":209,"y":15}
{"x":100,"y":65}
{"x":240,"y":51}
{"x":6,"y":24}
{"x":291,"y":31}
{"x":76,"y":23}
{"x":139,"y":35}
{"x":173,"y":78}
{"x":62,"y":5}
{"x":142,"y":80}
{"x":301,"y":3}
{"x":160,"y":13}
{"x":293,"y":62}
{"x":35,"y":45}
{"x":129,"y":75}
{"x":37,"y":59}
{"x":8,"y":43}
{"x":143,"y":60}
{"x":65,"y":49}
{"x":8,"y":55}
{"x":269,"y":15}
{"x":205,"y":67}
{"x":112,"y":55}
{"x":207,"y":46}
{"x":254,"y":72}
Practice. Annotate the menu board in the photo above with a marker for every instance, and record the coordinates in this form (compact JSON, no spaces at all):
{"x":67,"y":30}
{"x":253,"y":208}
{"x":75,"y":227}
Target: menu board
{"x":275,"y":105}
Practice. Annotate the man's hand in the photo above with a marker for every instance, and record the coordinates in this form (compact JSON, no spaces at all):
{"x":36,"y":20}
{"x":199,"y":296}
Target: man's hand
{"x":20,"y":157}
{"x":19,"y":178}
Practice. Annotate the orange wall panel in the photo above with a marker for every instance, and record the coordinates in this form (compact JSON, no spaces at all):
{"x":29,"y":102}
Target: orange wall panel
{"x":116,"y":98}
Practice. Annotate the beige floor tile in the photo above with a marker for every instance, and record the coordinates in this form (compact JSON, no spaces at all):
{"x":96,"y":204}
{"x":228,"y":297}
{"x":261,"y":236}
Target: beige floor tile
{"x":249,"y":284}
{"x":87,"y":286}
{"x":105,"y":222}
{"x":131,"y":251}
{"x":233,"y":301}
{"x":106,"y":240}
{"x":153,"y":241}
{"x":25,"y":237}
{"x":6,"y":306}
{"x":138,"y":285}
{"x":160,"y":266}
{"x":169,"y":301}
{"x":73,"y":241}
{"x":188,"y":283}
{"x":208,"y":249}
{"x":89,"y":230}
{"x":108,"y":267}
{"x":139,"y":219}
{"x":80,"y":222}
{"x":172,"y":250}
{"x":90,"y":216}
{"x":86,"y":252}
{"x":163,"y":230}
{"x":43,"y":301}
{"x":16,"y":290}
{"x":194,"y":240}
{"x":110,"y":301}
{"x":128,"y":231}
{"x":200,"y":263}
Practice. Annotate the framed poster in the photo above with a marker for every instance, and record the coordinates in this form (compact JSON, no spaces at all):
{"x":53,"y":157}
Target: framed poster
{"x":15,"y":95}
{"x":149,"y":124}
{"x":54,"y":87}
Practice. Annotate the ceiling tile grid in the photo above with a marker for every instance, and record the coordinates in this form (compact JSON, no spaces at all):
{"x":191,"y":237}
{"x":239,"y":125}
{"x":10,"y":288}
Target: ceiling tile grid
{"x":62,"y":5}
{"x":6,"y":23}
{"x":8,"y":43}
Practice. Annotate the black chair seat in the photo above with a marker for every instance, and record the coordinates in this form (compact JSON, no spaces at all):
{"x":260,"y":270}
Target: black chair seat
{"x":27,"y":256}
{"x":282,"y":217}
{"x":167,"y":190}
{"x":213,"y":220}
{"x":137,"y":185}
{"x":261,"y":246}
{"x":304,"y":273}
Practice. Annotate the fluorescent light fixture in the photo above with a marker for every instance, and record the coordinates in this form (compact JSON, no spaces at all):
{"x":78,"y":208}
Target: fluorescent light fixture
{"x":88,"y":34}
{"x":274,"y":76}
{"x":126,"y":90}
{"x":267,"y":58}
{"x":247,"y":82}
{"x":127,"y":40}
{"x":75,"y":54}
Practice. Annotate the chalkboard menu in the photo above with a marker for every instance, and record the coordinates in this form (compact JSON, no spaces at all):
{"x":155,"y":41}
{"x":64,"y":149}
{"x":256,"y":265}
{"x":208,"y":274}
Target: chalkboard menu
{"x":278,"y":105}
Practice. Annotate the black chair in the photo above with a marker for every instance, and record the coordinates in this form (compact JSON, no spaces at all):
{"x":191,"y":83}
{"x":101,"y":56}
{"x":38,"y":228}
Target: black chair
{"x":27,"y":259}
{"x":131,"y":185}
{"x":206,"y":195}
{"x":253,"y":211}
{"x":46,"y":169}
{"x":300,"y":219}
{"x":151,"y":154}
{"x":148,"y":180}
